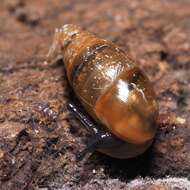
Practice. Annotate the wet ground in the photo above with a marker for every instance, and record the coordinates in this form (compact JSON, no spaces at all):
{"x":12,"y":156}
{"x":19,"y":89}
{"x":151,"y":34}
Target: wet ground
{"x":39,"y":138}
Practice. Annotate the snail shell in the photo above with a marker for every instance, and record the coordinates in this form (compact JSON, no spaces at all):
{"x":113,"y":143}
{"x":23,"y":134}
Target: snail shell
{"x":109,"y":84}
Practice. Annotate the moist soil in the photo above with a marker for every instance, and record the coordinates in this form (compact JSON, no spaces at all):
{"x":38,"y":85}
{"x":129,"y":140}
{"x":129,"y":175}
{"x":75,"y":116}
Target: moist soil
{"x":40,"y":138}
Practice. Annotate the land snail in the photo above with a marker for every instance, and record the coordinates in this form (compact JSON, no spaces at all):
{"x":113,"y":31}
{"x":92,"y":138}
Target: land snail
{"x":119,"y":102}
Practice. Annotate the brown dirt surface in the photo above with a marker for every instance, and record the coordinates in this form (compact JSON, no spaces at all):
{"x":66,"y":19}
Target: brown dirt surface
{"x":39,"y":138}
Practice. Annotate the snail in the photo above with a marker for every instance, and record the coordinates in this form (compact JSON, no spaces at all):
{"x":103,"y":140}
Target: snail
{"x":119,"y":102}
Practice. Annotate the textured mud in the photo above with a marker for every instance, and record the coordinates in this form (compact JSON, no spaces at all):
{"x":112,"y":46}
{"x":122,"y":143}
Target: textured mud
{"x":39,"y":138}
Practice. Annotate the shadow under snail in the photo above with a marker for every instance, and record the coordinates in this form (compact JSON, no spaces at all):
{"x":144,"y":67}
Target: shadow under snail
{"x":113,"y":91}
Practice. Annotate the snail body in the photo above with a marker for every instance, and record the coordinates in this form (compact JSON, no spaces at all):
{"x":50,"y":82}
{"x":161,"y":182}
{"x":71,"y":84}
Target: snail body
{"x":111,"y":88}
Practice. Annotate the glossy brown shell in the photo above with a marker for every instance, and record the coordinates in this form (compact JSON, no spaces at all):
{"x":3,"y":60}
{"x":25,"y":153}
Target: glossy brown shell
{"x":109,"y":85}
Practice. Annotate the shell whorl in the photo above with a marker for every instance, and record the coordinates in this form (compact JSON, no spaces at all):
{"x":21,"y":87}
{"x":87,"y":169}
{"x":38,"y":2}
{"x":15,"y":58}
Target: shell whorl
{"x":109,"y":85}
{"x":91,"y":63}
